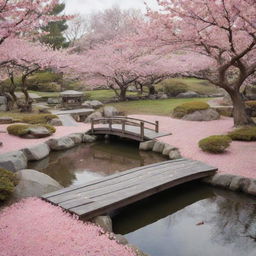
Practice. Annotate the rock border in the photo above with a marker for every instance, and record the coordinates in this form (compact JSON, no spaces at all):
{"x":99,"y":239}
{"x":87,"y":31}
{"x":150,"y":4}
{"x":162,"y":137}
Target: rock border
{"x":18,"y":160}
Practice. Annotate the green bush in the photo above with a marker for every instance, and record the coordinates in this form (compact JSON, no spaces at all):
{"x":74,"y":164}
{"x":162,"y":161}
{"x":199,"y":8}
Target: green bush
{"x":8,"y":181}
{"x":38,"y":118}
{"x":215,"y":144}
{"x":44,"y":77}
{"x":23,"y":129}
{"x":188,"y":108}
{"x":46,"y":87}
{"x":244,"y":134}
{"x":173,"y":88}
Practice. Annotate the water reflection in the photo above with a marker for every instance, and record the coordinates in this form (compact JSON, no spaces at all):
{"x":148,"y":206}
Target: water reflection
{"x":191,"y":220}
{"x":85,"y":163}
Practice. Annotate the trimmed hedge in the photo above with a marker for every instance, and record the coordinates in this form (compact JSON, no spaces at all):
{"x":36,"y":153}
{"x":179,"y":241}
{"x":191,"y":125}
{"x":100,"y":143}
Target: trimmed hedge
{"x":38,"y":118}
{"x":244,"y":134}
{"x":215,"y":144}
{"x":174,"y":89}
{"x":23,"y":129}
{"x":8,"y":181}
{"x":188,"y":108}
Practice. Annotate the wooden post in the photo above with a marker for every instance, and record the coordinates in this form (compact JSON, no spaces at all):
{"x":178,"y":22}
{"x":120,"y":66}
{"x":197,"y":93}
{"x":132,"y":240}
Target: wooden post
{"x":123,"y":126}
{"x":110,"y":124}
{"x":142,"y":130}
{"x":92,"y":125}
{"x":157,"y":126}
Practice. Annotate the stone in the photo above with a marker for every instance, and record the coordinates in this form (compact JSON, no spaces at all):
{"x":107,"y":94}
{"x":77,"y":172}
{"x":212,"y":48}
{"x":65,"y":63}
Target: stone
{"x":152,"y":97}
{"x":163,"y":96}
{"x":239,"y":183}
{"x":95,"y":104}
{"x":61,"y":143}
{"x":137,"y":251}
{"x":120,"y":239}
{"x":53,"y":101}
{"x":89,"y":138}
{"x":94,"y":115}
{"x":38,"y":132}
{"x":174,"y":154}
{"x":3,"y":107}
{"x":189,"y":94}
{"x":6,"y":120}
{"x":104,"y":222}
{"x":13,"y":161}
{"x":110,"y":111}
{"x":147,"y":145}
{"x":76,"y":137}
{"x":224,"y":110}
{"x":167,"y":149}
{"x":56,"y":122}
{"x":34,"y":184}
{"x":37,"y":152}
{"x":226,"y":101}
{"x":3,"y":100}
{"x":222,"y":180}
{"x":251,"y":189}
{"x":202,"y":115}
{"x":158,"y":147}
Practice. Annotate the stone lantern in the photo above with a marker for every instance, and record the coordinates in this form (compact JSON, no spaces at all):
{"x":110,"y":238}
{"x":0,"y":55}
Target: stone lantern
{"x":71,"y":99}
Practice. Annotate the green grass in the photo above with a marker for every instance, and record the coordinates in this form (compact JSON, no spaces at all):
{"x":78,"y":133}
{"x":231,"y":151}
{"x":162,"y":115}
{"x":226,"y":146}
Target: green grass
{"x":193,"y":84}
{"x":152,"y":107}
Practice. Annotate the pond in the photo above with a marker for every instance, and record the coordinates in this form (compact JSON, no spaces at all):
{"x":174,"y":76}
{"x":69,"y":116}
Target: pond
{"x":191,"y":220}
{"x":87,"y":162}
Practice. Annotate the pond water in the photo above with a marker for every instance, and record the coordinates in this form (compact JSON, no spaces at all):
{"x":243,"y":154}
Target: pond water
{"x":191,"y":220}
{"x":87,"y":162}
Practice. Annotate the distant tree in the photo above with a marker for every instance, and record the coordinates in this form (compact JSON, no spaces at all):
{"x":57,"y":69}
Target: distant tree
{"x":55,"y":30}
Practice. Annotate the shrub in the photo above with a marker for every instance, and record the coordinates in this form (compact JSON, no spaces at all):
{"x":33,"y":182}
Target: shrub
{"x":8,"y":181}
{"x":251,"y":108}
{"x":173,"y":88}
{"x":23,"y":129}
{"x":38,"y":118}
{"x":244,"y":134}
{"x":188,"y":108}
{"x":44,"y":77}
{"x":46,"y":87}
{"x":215,"y":144}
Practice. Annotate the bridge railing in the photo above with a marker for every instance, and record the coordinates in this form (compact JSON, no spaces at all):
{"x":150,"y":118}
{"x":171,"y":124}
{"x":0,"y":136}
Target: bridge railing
{"x":123,"y":120}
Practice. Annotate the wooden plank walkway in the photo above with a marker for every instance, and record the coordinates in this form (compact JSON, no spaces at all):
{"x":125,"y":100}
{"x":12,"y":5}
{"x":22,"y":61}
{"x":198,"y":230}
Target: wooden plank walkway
{"x":115,"y":191}
{"x":132,"y":132}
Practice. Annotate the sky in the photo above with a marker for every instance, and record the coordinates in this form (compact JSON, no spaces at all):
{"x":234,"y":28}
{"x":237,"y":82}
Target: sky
{"x":88,"y":6}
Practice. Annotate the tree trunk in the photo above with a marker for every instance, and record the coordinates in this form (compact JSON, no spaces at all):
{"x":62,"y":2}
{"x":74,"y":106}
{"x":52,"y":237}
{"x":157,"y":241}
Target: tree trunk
{"x":122,"y":94}
{"x":241,"y":118}
{"x":151,"y":90}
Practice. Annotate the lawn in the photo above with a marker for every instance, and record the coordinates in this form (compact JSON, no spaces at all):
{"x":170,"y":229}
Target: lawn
{"x":152,"y":107}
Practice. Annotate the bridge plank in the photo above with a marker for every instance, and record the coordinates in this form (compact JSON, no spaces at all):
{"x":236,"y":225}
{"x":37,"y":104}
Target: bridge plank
{"x":118,"y":190}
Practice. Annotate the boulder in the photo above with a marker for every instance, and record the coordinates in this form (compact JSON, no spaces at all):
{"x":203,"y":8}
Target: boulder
{"x":38,"y":132}
{"x":174,"y":154}
{"x":239,"y":183}
{"x":152,"y":97}
{"x":222,"y":180}
{"x":224,"y":110}
{"x":104,"y":222}
{"x":137,"y":251}
{"x":202,"y":115}
{"x":94,"y":115}
{"x":250,"y":92}
{"x":110,"y":111}
{"x":167,"y":149}
{"x":226,"y":101}
{"x":61,"y":143}
{"x":89,"y":138}
{"x":3,"y":103}
{"x":158,"y":147}
{"x":13,"y":161}
{"x":95,"y":104}
{"x":6,"y":120}
{"x":163,"y":96}
{"x":189,"y":94}
{"x":76,"y":137}
{"x":34,"y":184}
{"x":37,"y":152}
{"x":251,"y":189}
{"x":147,"y":145}
{"x":53,"y":101}
{"x":120,"y":239}
{"x":56,"y":122}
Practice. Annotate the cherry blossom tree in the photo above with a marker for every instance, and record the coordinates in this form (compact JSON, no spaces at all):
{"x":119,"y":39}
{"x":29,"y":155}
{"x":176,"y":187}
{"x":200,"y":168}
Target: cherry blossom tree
{"x":24,"y":59}
{"x":222,"y":30}
{"x":19,"y":17}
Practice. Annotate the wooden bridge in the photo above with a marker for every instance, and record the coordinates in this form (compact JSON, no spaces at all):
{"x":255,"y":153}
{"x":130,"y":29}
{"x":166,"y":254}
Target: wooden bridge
{"x":118,"y":190}
{"x":126,"y":127}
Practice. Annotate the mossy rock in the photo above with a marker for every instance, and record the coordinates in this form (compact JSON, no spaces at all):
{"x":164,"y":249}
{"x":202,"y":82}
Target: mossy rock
{"x":215,"y":144}
{"x":247,"y":133}
{"x":188,"y":108}
{"x":8,"y":181}
{"x":23,"y":130}
{"x":38,"y":118}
